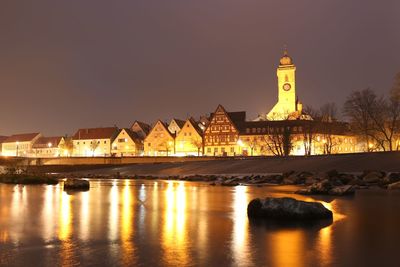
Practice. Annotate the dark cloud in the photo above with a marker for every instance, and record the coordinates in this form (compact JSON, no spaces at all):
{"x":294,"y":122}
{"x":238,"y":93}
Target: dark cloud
{"x":70,"y":64}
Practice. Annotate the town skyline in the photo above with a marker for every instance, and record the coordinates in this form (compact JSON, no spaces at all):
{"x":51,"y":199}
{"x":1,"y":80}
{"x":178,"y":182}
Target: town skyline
{"x":103,"y":72}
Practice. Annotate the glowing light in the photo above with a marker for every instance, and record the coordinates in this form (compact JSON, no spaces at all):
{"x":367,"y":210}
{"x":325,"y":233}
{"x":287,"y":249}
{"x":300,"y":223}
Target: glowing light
{"x":174,"y":236}
{"x":239,"y":243}
{"x":240,"y":143}
{"x":85,"y":212}
{"x":113,"y":214}
{"x":65,"y":218}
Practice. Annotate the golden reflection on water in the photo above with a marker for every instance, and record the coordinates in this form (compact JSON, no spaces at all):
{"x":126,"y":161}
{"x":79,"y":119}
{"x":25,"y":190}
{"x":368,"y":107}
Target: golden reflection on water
{"x":48,"y":213}
{"x":174,"y":235}
{"x":65,"y":229}
{"x":85,"y":216}
{"x":240,"y":234}
{"x":113,"y":212}
{"x":18,"y":208}
{"x":127,"y":213}
{"x":288,"y":248}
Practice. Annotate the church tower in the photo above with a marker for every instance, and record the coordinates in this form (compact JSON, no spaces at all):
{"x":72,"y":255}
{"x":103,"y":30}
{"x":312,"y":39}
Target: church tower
{"x":286,"y":104}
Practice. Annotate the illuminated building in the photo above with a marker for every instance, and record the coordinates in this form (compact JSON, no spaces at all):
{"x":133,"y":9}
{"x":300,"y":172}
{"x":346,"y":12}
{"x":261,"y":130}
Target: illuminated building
{"x":91,"y":142}
{"x":175,"y":126}
{"x":189,"y":140}
{"x":19,"y":145}
{"x":127,"y":143}
{"x":48,"y":147}
{"x":141,"y":129}
{"x":222,"y":133}
{"x":287,"y":106}
{"x":160,"y":141}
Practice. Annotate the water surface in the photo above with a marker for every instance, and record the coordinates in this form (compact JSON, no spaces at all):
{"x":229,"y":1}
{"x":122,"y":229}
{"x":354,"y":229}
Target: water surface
{"x":169,"y":223}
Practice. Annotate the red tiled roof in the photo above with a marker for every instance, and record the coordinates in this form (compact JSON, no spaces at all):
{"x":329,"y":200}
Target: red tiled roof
{"x":44,"y":142}
{"x":2,"y":138}
{"x":21,"y":137}
{"x":96,"y":133}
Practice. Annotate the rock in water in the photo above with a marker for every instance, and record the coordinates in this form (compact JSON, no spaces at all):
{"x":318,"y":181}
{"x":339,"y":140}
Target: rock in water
{"x":76,"y":184}
{"x":287,"y":209}
{"x":342,"y":190}
{"x":394,"y":186}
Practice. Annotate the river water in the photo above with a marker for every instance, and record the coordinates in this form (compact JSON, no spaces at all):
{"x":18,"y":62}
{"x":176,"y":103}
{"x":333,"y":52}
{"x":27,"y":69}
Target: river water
{"x":170,"y":223}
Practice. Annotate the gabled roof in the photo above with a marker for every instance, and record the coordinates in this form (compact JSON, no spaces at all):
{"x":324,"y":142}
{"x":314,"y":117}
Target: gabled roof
{"x":134,"y":136}
{"x":144,"y":126}
{"x":238,"y":118}
{"x":178,"y":122}
{"x":21,"y":137}
{"x":164,"y":126}
{"x":96,"y":133}
{"x":44,"y":142}
{"x":195,"y":125}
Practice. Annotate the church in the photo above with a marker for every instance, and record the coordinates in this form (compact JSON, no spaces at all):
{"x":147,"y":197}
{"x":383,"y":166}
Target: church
{"x":284,"y":130}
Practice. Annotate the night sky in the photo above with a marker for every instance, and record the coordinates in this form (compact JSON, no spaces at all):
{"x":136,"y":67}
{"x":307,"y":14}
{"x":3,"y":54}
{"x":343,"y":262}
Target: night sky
{"x":71,"y":64}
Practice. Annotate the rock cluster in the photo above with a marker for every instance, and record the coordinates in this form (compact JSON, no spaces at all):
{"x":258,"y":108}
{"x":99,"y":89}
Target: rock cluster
{"x":76,"y":184}
{"x":287,"y":209}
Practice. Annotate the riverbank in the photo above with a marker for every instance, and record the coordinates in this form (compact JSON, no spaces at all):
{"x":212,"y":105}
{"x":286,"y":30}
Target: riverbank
{"x":351,"y":163}
{"x":28,"y":179}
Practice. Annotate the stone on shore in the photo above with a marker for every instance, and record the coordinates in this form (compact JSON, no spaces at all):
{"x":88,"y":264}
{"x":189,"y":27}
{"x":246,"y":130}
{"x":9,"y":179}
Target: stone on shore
{"x":327,"y":187}
{"x":371,"y":177}
{"x":394,"y":186}
{"x":287,"y":209}
{"x":342,"y":190}
{"x":76,"y":184}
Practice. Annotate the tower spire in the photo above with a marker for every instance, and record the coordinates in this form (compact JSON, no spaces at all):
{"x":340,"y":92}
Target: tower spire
{"x":285,"y":52}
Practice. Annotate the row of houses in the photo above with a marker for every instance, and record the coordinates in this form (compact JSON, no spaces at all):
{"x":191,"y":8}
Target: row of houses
{"x":285,"y":130}
{"x":222,"y":133}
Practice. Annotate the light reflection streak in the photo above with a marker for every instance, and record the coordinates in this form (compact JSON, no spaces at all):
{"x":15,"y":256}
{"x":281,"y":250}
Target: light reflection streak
{"x":65,"y":217}
{"x":127,"y":224}
{"x":174,"y":235}
{"x":65,"y":229}
{"x":18,"y":207}
{"x":240,"y":238}
{"x":113,"y":213}
{"x":288,"y":248}
{"x":85,"y":216}
{"x":47,"y":214}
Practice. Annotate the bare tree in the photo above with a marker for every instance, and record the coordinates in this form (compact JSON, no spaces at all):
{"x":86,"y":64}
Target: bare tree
{"x":375,"y":118}
{"x":279,"y":140}
{"x":253,"y":144}
{"x":199,"y":144}
{"x":328,"y":112}
{"x":67,"y":145}
{"x":309,"y":129}
{"x":358,"y":109}
{"x":94,"y":144}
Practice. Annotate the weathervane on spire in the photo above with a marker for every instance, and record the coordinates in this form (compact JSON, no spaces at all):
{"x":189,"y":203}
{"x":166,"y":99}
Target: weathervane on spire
{"x":285,"y":53}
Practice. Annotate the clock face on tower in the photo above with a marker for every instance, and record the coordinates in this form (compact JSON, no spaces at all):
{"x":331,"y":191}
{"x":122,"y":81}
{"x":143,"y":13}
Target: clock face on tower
{"x":286,"y":87}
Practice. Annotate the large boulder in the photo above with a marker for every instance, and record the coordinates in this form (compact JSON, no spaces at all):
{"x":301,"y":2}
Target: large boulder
{"x":76,"y":184}
{"x":287,"y":209}
{"x":394,"y":186}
